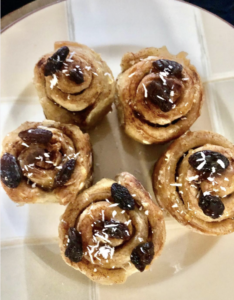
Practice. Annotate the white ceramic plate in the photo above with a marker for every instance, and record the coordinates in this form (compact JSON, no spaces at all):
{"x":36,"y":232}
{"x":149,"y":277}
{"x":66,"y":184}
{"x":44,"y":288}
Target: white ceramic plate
{"x":191,"y":266}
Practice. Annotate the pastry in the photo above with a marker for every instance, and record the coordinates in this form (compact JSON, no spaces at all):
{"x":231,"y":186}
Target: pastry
{"x":45,"y":162}
{"x":74,"y":84}
{"x":194,"y":182}
{"x":159,"y":95}
{"x":112,"y":230}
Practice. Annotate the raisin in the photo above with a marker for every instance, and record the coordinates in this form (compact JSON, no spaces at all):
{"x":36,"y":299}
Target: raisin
{"x":208,"y":161}
{"x":74,"y":249}
{"x":76,"y":75}
{"x":160,"y":95}
{"x":65,"y":173}
{"x":170,"y":66}
{"x":212,"y":206}
{"x":36,"y":135}
{"x":142,"y":255}
{"x":11,"y":174}
{"x":121,"y":195}
{"x":55,"y":62}
{"x":114,"y":229}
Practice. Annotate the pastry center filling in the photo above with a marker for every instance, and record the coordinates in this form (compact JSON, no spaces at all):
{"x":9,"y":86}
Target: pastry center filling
{"x":165,"y":93}
{"x":107,"y":231}
{"x":47,"y":159}
{"x":208,"y":181}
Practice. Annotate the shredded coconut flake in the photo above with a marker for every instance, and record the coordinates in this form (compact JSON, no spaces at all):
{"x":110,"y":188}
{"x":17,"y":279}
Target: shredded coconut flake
{"x":24,"y":144}
{"x":103,"y":216}
{"x":201,"y":165}
{"x":53,"y":81}
{"x":131,"y":74}
{"x":221,"y":163}
{"x":114,"y":204}
{"x":210,"y":179}
{"x":127,"y":222}
{"x":146,"y":92}
{"x":192,"y":178}
{"x":160,"y":98}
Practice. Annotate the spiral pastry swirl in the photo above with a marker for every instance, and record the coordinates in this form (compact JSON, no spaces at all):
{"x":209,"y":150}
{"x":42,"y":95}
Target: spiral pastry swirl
{"x":159,"y":95}
{"x":112,"y":230}
{"x":74,"y":84}
{"x":46,"y":162}
{"x":194,"y":181}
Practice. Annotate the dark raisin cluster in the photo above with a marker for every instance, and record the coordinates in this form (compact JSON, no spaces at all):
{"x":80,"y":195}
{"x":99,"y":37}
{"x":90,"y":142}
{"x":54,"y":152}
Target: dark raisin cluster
{"x":65,"y":173}
{"x":142,"y":255}
{"x":76,"y":75}
{"x":212,"y":206}
{"x":11,"y":174}
{"x":36,"y":135}
{"x":114,"y":229}
{"x":206,"y":163}
{"x":169,"y":66}
{"x":74,"y":249}
{"x":121,"y":195}
{"x":212,"y":161}
{"x":55,"y":62}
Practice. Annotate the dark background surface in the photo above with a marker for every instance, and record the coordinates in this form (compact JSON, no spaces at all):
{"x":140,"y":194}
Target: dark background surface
{"x":222,"y":8}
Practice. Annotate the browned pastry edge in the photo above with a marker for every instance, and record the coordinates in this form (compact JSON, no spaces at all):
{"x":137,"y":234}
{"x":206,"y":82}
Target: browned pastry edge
{"x":167,"y":195}
{"x":101,"y":190}
{"x":140,"y":129}
{"x":80,"y":179}
{"x":101,"y":96}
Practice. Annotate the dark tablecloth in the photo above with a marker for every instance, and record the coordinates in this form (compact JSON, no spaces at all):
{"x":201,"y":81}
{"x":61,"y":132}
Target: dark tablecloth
{"x":222,"y":8}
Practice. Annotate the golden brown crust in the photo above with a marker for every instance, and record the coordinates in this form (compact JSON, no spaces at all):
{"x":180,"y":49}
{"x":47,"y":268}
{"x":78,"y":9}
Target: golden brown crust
{"x":82,"y":104}
{"x":90,"y":206}
{"x":177,"y":187}
{"x":67,"y":142}
{"x":142,"y":119}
